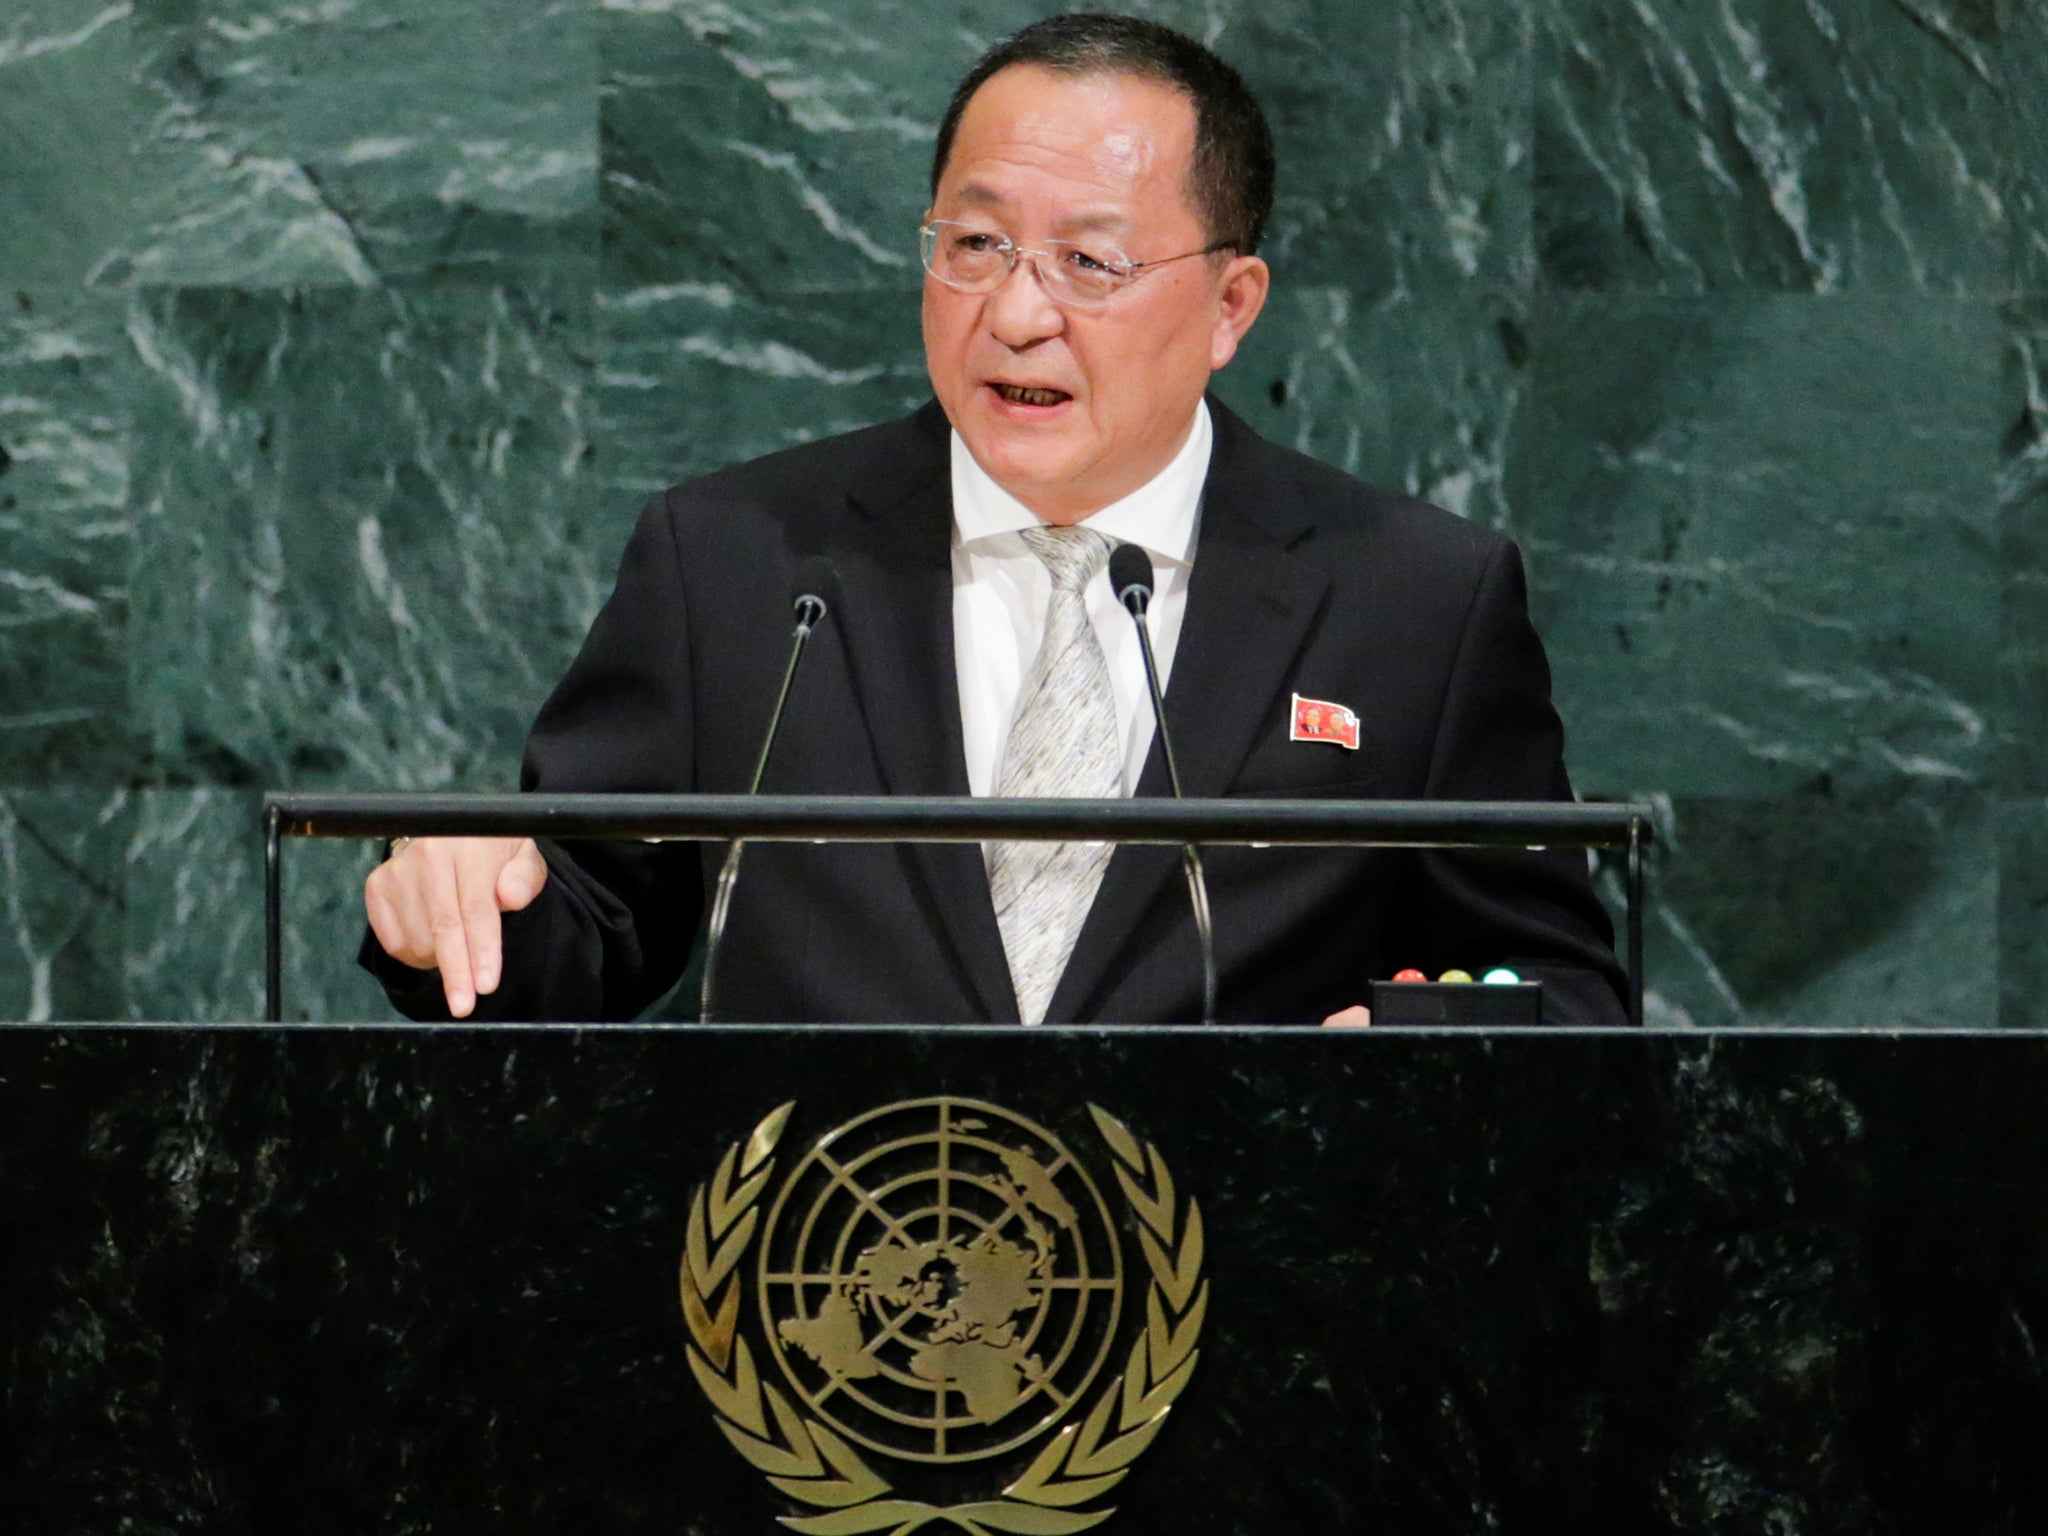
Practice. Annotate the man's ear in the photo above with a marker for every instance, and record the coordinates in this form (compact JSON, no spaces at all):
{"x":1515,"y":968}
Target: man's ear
{"x":1239,"y":298}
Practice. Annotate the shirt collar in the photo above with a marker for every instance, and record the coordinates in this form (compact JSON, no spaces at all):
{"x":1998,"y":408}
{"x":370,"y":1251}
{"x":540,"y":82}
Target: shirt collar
{"x":1159,"y":516}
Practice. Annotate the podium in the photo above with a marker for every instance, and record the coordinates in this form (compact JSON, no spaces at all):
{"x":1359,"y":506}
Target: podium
{"x":338,"y":1279}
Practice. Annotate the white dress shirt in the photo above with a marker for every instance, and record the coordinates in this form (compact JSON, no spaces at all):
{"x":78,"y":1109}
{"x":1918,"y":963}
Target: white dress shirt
{"x":1001,"y":591}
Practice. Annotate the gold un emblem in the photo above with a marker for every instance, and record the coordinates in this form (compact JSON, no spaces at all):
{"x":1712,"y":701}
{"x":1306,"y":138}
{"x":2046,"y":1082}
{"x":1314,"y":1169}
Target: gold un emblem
{"x":940,"y":1285}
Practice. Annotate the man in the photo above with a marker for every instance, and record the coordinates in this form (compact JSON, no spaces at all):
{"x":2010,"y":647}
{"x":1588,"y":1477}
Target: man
{"x":1099,"y":191}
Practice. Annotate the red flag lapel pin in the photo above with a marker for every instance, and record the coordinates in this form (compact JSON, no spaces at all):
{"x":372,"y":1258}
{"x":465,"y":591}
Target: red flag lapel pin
{"x":1320,"y":720}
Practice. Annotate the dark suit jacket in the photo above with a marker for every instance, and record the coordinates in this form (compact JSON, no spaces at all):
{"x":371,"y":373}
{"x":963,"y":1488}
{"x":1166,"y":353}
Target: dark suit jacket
{"x":1305,"y":581}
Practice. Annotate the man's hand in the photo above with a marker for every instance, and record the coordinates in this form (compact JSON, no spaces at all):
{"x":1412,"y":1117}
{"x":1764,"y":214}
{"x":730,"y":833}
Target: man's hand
{"x":1356,"y":1016}
{"x":435,"y":903}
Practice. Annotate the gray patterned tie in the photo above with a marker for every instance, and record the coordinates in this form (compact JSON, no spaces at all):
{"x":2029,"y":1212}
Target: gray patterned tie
{"x":1063,"y":741}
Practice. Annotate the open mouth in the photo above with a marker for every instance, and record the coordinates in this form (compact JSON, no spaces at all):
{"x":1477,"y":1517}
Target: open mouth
{"x":1026,"y":394}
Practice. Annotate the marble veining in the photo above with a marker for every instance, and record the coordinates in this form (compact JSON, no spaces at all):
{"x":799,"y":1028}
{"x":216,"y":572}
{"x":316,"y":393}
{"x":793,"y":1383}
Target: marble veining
{"x":1835,"y":145}
{"x":1703,"y":509}
{"x":2024,"y":548}
{"x":61,"y":923}
{"x":1419,"y":395}
{"x":436,"y":448}
{"x":339,"y":344}
{"x":66,"y":541}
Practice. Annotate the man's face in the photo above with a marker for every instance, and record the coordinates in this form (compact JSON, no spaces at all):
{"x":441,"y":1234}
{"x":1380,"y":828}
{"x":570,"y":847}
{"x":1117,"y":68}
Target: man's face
{"x":1097,"y":159}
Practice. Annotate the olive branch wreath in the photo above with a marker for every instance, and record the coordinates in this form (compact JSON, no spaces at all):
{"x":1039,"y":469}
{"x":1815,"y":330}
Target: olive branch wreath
{"x":805,"y":1460}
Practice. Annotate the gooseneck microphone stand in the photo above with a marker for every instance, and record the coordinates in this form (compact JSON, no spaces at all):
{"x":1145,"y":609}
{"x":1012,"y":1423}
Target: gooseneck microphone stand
{"x":810,"y":610}
{"x":1130,"y":575}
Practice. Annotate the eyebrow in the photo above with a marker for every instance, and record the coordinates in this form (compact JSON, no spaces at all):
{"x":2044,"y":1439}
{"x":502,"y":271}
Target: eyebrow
{"x":979,"y":194}
{"x":1100,"y":222}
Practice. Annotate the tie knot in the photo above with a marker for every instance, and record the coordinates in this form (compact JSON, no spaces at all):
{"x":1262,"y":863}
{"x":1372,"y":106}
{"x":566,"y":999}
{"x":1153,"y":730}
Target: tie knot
{"x":1073,"y":555}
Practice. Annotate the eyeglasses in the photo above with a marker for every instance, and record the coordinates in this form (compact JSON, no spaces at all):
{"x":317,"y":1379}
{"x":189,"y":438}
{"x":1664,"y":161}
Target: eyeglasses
{"x":976,"y":260}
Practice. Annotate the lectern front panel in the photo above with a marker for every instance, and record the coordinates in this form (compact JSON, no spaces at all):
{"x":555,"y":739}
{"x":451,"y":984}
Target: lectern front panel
{"x":701,"y":1280}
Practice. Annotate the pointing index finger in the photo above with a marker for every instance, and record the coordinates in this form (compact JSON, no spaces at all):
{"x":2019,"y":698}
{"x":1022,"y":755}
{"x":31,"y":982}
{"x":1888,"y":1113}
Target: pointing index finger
{"x":451,"y":945}
{"x":476,"y":881}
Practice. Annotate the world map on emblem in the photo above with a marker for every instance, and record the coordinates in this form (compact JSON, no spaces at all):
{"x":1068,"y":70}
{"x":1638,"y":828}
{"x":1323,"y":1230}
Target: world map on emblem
{"x":940,"y":1279}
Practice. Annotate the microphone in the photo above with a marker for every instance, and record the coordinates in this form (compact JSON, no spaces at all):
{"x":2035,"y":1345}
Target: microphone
{"x":1130,"y":577}
{"x":814,"y":578}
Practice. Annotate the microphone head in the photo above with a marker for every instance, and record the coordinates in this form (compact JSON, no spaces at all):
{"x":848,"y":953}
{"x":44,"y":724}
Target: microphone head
{"x":1130,"y":575}
{"x":817,"y":582}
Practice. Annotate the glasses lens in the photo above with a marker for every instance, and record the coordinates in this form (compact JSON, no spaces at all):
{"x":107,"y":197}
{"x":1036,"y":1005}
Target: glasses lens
{"x":1083,"y":275}
{"x":964,"y":256}
{"x":979,"y":260}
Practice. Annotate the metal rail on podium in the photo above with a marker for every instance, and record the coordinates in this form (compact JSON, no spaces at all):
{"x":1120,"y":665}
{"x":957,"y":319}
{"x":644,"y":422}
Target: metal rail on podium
{"x":1414,"y":824}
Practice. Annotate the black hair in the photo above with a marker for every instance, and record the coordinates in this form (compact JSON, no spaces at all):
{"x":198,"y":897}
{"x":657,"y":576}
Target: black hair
{"x":1231,"y":181}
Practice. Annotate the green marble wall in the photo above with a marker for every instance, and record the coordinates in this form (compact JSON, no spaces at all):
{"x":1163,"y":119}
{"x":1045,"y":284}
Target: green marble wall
{"x":338,"y":343}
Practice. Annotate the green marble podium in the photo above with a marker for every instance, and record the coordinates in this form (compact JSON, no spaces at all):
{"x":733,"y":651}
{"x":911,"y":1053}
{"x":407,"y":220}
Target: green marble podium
{"x":334,"y":1278}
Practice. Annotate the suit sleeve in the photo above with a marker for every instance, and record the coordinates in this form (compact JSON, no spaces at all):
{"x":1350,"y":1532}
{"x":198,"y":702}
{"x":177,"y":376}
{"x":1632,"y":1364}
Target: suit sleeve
{"x":1499,"y":738}
{"x":610,"y":931}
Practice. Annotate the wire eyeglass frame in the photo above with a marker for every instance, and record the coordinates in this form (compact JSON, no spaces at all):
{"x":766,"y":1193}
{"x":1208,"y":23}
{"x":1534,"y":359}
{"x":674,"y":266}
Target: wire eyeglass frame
{"x":1109,"y":271}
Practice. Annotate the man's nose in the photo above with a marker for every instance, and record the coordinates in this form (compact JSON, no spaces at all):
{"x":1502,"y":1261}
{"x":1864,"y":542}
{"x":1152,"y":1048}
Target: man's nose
{"x":1020,"y":311}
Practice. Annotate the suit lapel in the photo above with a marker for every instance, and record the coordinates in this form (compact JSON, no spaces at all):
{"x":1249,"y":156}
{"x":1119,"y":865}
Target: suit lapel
{"x":1250,"y":605}
{"x":896,"y":622}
